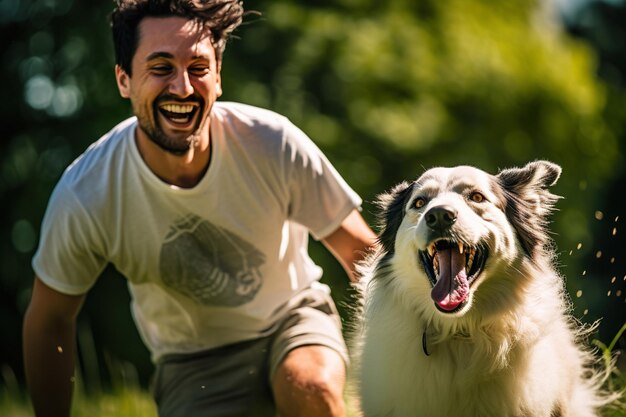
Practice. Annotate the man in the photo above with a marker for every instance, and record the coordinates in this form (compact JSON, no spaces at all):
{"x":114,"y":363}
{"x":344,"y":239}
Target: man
{"x":206,"y":208}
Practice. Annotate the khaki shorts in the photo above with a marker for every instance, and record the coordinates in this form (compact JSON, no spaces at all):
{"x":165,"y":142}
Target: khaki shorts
{"x":235,"y":380}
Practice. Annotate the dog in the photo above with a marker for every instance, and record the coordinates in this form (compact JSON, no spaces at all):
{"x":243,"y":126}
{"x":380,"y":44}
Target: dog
{"x":464,"y":314}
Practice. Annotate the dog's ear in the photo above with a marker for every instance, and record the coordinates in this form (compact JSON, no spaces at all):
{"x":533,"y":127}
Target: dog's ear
{"x":391,"y":212}
{"x":529,"y":201}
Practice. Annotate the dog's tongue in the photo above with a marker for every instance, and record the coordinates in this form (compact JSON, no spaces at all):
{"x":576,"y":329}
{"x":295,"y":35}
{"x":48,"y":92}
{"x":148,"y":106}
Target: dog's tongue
{"x":452,"y":287}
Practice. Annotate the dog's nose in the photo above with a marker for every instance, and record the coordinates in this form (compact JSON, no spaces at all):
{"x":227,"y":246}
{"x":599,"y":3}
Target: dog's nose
{"x":440,"y":217}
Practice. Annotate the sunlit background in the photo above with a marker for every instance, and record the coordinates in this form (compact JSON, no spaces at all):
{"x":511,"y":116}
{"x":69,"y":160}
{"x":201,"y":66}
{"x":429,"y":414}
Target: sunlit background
{"x":385,"y":88}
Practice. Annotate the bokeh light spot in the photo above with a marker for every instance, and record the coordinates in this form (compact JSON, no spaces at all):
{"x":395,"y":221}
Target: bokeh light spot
{"x":66,"y":101}
{"x":39,"y":92}
{"x":23,"y":236}
{"x":41,"y":43}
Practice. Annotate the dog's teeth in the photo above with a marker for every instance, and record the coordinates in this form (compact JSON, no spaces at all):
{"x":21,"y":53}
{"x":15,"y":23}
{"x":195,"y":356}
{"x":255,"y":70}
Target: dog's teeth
{"x":461,"y":248}
{"x":470,"y":260}
{"x":431,"y":249}
{"x":436,"y":266}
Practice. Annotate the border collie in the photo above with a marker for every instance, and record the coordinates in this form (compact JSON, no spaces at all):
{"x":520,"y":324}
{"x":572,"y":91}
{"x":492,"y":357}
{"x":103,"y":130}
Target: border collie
{"x":464,"y":314}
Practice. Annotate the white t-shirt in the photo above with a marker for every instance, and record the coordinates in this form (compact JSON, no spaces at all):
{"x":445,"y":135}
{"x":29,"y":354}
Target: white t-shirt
{"x":206,"y":266}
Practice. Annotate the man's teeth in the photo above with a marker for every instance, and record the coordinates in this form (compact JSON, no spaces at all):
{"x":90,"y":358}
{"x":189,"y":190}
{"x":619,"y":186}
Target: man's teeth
{"x":178,"y":108}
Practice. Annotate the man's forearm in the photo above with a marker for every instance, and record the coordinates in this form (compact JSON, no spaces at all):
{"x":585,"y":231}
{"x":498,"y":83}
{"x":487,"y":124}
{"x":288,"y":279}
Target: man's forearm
{"x":49,"y":352}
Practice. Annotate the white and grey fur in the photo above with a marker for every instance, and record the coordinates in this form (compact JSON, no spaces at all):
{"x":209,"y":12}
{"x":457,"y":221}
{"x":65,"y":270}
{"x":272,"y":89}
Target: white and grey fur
{"x":511,"y":347}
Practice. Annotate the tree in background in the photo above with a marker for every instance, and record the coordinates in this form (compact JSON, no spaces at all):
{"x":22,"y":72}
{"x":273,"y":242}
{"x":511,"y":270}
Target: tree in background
{"x":387,"y":89}
{"x":601,"y":24}
{"x":391,"y":88}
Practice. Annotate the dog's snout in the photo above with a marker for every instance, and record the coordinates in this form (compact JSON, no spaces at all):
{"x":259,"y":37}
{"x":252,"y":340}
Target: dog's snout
{"x":440,"y":217}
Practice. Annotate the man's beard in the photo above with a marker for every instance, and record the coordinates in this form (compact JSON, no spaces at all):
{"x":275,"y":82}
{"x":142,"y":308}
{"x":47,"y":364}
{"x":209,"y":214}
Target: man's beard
{"x":156,"y":134}
{"x":175,"y":147}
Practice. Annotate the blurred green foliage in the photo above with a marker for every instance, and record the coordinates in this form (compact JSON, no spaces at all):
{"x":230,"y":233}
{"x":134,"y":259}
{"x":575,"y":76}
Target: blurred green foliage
{"x":386,"y":89}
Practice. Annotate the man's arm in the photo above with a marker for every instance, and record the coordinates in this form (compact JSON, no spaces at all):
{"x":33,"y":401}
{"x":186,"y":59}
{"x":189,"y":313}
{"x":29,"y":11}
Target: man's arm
{"x":351,"y":242}
{"x":49,"y":338}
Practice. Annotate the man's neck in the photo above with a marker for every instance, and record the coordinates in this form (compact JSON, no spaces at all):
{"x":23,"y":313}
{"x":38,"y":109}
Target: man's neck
{"x":184,"y":171}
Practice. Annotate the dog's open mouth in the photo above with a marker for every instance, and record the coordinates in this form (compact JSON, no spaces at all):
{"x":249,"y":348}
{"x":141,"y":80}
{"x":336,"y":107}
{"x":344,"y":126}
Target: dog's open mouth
{"x":452,"y":268}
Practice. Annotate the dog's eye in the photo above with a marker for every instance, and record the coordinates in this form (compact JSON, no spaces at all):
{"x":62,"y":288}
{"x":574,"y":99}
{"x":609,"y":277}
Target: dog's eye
{"x":477,"y":197}
{"x":420,"y":202}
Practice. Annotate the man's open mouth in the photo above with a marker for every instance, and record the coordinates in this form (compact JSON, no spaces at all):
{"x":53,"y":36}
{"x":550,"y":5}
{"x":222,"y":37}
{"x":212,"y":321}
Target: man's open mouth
{"x":178,"y":113}
{"x":452,"y":267}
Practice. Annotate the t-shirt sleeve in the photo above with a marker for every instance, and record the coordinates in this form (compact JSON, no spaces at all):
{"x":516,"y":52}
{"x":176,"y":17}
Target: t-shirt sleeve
{"x":68,"y":258}
{"x":320,"y":199}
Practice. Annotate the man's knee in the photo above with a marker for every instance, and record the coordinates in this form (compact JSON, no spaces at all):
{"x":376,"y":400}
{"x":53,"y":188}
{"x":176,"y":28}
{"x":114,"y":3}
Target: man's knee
{"x":325,"y":389}
{"x":310,"y":382}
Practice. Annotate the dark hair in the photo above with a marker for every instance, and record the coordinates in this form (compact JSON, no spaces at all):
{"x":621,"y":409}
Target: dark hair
{"x":221,"y":17}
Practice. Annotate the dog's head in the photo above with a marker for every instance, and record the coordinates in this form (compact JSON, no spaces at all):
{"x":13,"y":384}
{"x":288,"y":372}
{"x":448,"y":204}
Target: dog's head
{"x":454,"y":230}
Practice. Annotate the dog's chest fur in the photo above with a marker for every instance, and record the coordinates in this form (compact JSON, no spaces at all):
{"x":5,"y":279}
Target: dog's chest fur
{"x":462,"y":375}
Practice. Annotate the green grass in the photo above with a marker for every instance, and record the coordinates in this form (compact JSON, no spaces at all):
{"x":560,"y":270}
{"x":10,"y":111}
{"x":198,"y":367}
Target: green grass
{"x":130,"y":402}
{"x":127,"y":399}
{"x":124,"y":403}
{"x":616,"y":381}
{"x":135,"y":402}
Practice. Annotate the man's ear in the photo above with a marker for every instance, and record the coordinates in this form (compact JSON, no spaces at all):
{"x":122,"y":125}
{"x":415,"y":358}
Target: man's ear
{"x":218,"y":88}
{"x":123,"y":81}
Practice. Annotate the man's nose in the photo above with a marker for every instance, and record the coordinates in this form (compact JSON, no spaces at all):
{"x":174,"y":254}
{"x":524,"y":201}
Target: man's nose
{"x":181,"y":85}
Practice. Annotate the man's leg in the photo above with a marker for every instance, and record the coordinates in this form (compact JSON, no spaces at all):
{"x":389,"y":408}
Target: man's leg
{"x":310,"y":382}
{"x":308,"y":358}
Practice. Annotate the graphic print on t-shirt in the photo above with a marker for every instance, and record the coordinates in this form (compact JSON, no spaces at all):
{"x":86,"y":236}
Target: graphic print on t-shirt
{"x":210,"y":264}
